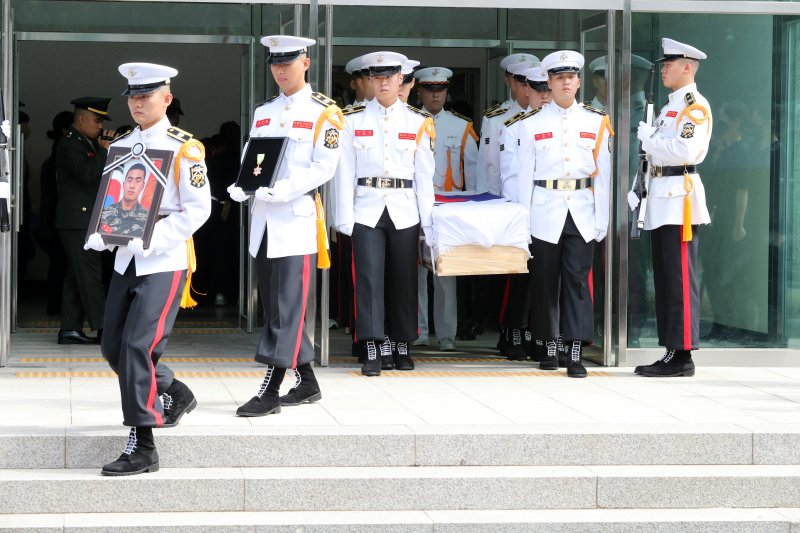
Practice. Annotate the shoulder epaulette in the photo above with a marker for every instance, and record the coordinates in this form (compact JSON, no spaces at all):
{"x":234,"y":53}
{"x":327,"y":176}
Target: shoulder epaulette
{"x":177,"y":133}
{"x":459,"y":115}
{"x":496,"y":112}
{"x":123,"y":135}
{"x":689,"y":99}
{"x":354,"y":109}
{"x":514,"y":118}
{"x":322,"y":99}
{"x":491,"y":109}
{"x":420,"y":111}
{"x":267,"y":100}
{"x":587,"y":107}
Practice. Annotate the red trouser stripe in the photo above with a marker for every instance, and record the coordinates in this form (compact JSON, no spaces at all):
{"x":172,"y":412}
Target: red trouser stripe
{"x":306,"y":277}
{"x":687,"y":299}
{"x":151,"y":397}
{"x":591,"y":283}
{"x":505,"y":300}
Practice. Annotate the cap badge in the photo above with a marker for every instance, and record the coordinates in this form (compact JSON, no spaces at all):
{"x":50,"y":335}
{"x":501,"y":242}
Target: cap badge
{"x":522,"y":58}
{"x":563,"y":56}
{"x":435,"y":72}
{"x":379,"y":59}
{"x":273,"y":42}
{"x":131,"y":73}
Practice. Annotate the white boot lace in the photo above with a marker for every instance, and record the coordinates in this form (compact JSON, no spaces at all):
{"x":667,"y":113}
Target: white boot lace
{"x":372,"y":351}
{"x":264,"y":384}
{"x":130,"y":447}
{"x":166,"y":401}
{"x":402,"y":348}
{"x":576,"y":352}
{"x":386,"y":347}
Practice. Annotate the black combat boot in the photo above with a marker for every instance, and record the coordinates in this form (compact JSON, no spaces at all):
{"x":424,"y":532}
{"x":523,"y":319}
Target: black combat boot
{"x":501,"y":340}
{"x":267,"y":401}
{"x":402,"y":359}
{"x":538,"y":351}
{"x":673,"y":363}
{"x":575,"y":369}
{"x":372,"y":366}
{"x":563,"y":356}
{"x":178,"y":400}
{"x":359,"y":351}
{"x":550,"y":360}
{"x":306,"y":388}
{"x":514,"y":349}
{"x":387,"y":360}
{"x":139,"y":456}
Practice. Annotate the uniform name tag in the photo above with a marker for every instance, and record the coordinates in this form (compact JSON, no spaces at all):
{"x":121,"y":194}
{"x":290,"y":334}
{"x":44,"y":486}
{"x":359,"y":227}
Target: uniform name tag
{"x":302,"y":124}
{"x":407,"y":136}
{"x":262,"y":122}
{"x":542,"y":136}
{"x":588,"y":135}
{"x":363,"y":133}
{"x":672,"y":114}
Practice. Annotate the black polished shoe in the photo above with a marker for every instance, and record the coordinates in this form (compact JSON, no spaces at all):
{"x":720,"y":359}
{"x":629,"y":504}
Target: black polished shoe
{"x":67,"y":336}
{"x":303,"y":393}
{"x":402,"y":359}
{"x":178,"y":400}
{"x":260,"y":406}
{"x":139,"y":456}
{"x":675,"y":364}
{"x":387,"y":360}
{"x":514,"y":348}
{"x":372,"y":367}
{"x":576,"y":370}
{"x":549,"y":359}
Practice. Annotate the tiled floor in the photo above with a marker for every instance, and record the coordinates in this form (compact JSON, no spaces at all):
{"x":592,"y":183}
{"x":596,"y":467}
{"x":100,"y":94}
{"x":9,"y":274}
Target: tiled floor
{"x":442,"y":392}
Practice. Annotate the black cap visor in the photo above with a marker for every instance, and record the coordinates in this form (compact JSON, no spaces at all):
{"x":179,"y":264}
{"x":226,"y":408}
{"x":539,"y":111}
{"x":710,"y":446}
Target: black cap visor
{"x":672,"y":57}
{"x":408,"y":78}
{"x":135,"y":90}
{"x":286,"y":57}
{"x":561,"y":70}
{"x":376,"y":72}
{"x":538,"y":85}
{"x":434,"y":86}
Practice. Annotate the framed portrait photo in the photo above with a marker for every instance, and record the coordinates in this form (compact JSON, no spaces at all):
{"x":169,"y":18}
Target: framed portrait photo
{"x":130,"y":194}
{"x":261,"y":162}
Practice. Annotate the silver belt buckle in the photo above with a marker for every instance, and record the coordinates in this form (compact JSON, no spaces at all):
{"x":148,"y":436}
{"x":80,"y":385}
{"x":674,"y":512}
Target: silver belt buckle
{"x":655,"y":172}
{"x":385,"y":182}
{"x":567,"y":185}
{"x":368,"y":182}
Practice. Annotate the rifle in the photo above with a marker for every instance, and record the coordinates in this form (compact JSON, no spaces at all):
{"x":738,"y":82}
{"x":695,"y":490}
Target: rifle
{"x":5,"y":172}
{"x":642,"y":181}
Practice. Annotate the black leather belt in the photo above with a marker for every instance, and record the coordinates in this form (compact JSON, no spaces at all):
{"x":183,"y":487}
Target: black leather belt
{"x":659,"y":172}
{"x":386,"y":183}
{"x":565,"y":184}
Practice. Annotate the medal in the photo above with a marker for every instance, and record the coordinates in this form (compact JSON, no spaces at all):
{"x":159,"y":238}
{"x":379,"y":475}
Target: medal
{"x":259,"y":160}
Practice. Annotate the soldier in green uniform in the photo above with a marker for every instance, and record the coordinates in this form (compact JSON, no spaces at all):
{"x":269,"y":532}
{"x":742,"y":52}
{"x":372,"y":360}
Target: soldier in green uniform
{"x":79,"y":167}
{"x":128,"y":216}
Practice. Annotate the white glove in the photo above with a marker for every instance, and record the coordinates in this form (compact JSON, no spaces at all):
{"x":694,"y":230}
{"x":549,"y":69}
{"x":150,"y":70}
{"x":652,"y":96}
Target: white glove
{"x":5,"y":190}
{"x":633,"y":200}
{"x":345,"y":229}
{"x":6,"y":128}
{"x":236,"y":193}
{"x":645,"y":131}
{"x":428,"y":232}
{"x":599,"y":234}
{"x":136,"y":247}
{"x":265,"y":194}
{"x":95,"y":242}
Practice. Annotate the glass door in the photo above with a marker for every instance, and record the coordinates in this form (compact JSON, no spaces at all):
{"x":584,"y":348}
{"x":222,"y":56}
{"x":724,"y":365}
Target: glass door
{"x":8,"y":100}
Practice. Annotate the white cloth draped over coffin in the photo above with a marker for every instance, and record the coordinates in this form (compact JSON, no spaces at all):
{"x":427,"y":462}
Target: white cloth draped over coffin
{"x":481,"y":219}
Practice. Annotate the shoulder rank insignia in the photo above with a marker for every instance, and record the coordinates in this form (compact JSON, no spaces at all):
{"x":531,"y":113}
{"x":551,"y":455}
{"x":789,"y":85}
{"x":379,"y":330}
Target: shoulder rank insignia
{"x":322,"y":99}
{"x":497,"y":112}
{"x":492,"y":109}
{"x":177,"y":133}
{"x":587,"y":107}
{"x":354,"y":109}
{"x":459,"y":115}
{"x":268,"y":100}
{"x":689,"y":99}
{"x":513,"y":119}
{"x":419,"y":111}
{"x":118,"y":138}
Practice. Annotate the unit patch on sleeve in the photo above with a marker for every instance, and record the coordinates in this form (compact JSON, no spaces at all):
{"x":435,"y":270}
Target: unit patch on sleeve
{"x":688,"y":130}
{"x":198,"y":175}
{"x":331,"y":138}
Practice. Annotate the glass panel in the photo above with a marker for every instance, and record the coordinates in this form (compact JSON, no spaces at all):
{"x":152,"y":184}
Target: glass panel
{"x":132,"y":17}
{"x":747,"y":254}
{"x":544,"y":24}
{"x":429,"y":23}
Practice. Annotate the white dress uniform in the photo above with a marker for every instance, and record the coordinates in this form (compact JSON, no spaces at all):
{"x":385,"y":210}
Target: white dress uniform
{"x":147,"y":285}
{"x":677,"y":205}
{"x":384,"y":192}
{"x":563,"y":174}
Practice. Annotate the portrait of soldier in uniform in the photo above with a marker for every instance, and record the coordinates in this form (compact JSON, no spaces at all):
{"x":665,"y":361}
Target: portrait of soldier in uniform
{"x":127,"y":216}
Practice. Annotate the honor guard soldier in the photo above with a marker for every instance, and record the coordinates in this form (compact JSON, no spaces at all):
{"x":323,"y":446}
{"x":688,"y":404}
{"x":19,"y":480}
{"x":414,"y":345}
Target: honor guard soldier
{"x":409,"y":81}
{"x":359,"y":82}
{"x":149,"y":284}
{"x":283,"y":231}
{"x":676,"y":206}
{"x":485,"y":182}
{"x":563,"y":162}
{"x":384,"y":192}
{"x":455,"y":157}
{"x":80,"y":158}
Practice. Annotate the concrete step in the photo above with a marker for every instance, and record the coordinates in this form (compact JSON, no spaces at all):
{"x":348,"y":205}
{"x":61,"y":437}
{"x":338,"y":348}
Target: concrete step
{"x":443,"y":521}
{"x":398,"y":445}
{"x":401,"y":488}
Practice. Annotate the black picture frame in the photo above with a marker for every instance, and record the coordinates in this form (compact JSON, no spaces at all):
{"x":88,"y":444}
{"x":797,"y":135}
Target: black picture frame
{"x":261,"y":163}
{"x":110,"y":219}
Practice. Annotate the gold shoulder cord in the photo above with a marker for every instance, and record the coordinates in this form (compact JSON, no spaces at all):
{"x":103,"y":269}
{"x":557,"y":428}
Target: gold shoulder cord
{"x":186,"y":151}
{"x":688,"y":184}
